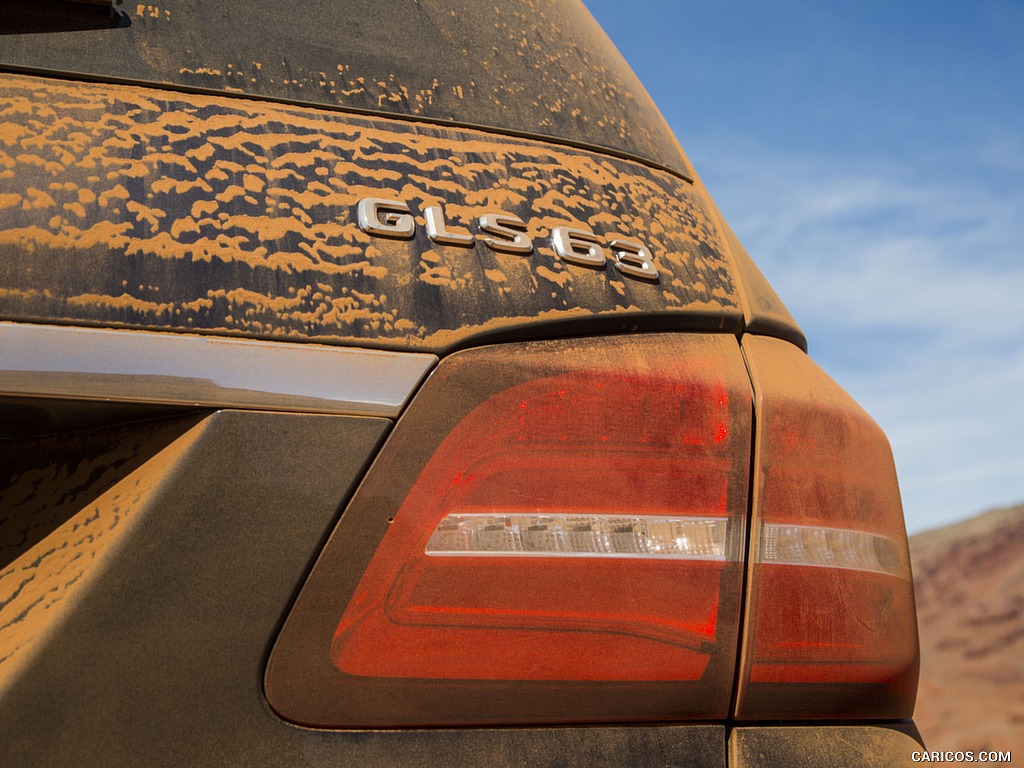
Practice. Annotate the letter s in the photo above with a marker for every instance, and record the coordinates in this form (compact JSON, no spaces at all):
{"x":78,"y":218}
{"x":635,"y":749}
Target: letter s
{"x":509,"y":232}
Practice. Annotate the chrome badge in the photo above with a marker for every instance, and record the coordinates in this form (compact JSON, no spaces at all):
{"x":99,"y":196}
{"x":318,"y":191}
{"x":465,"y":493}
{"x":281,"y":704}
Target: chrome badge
{"x":506,"y":233}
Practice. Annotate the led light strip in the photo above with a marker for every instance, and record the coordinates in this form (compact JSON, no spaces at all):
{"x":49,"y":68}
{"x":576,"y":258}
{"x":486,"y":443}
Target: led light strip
{"x":582,"y":534}
{"x":830,"y":548}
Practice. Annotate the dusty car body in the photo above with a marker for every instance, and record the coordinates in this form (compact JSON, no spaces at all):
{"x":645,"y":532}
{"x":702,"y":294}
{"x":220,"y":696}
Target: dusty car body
{"x":380,"y":385}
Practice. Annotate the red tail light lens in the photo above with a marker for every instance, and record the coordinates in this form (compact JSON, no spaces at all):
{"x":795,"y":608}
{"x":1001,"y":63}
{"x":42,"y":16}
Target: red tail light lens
{"x":830,"y":627}
{"x":565,"y":546}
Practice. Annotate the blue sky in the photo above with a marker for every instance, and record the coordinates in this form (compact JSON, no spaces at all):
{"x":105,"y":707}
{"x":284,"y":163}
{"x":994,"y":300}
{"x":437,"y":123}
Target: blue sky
{"x":870,"y":156}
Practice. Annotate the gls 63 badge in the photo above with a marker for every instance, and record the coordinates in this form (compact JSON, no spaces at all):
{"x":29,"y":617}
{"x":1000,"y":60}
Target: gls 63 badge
{"x":506,"y":233}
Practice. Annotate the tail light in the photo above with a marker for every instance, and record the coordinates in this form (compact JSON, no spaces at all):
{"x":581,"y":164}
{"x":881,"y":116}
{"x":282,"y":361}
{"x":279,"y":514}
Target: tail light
{"x":830,"y":625}
{"x":554,"y":533}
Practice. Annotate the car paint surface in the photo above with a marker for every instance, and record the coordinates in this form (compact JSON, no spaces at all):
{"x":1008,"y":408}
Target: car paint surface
{"x":540,"y":68}
{"x":141,"y":625}
{"x":132,"y":207}
{"x":196,"y":168}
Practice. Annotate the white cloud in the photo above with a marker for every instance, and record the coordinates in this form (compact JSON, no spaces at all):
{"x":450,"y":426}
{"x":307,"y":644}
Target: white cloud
{"x":910,"y":286}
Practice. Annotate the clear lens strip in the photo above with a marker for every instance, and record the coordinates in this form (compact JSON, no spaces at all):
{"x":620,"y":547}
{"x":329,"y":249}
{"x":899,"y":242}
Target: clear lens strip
{"x":783,"y":544}
{"x":579,"y":535}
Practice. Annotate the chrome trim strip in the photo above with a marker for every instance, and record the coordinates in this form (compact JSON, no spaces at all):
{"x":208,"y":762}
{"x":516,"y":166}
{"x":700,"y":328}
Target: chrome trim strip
{"x":208,"y":371}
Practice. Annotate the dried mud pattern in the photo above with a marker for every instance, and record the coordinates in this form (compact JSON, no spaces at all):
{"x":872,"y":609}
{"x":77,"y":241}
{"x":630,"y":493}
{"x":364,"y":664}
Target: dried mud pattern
{"x":536,"y":67}
{"x":128,"y":206}
{"x":40,"y":587}
{"x":47,"y":479}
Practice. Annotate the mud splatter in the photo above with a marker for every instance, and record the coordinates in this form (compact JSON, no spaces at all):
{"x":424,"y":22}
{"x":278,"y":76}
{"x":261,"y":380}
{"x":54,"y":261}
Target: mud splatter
{"x":133,"y":207}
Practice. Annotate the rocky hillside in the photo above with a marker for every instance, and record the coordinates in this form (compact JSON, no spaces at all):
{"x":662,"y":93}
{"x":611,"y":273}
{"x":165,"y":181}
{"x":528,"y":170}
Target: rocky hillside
{"x":969,"y":579}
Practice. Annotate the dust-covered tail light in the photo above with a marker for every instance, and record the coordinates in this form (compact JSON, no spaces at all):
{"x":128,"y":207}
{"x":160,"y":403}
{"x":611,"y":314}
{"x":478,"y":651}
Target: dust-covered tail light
{"x":554,"y":533}
{"x":830,"y":630}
